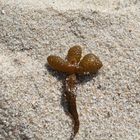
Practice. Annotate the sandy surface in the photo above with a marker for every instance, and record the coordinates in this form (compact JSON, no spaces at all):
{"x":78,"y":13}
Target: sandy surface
{"x":30,"y":94}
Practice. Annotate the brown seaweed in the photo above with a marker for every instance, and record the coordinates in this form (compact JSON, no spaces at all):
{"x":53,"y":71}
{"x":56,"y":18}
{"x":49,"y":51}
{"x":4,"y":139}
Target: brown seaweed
{"x":74,"y":65}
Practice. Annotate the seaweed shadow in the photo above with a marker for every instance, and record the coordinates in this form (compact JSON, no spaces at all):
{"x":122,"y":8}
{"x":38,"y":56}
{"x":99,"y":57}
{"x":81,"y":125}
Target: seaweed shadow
{"x":59,"y":75}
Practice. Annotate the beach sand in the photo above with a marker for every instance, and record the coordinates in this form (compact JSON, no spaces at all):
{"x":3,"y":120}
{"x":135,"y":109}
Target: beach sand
{"x":108,"y":104}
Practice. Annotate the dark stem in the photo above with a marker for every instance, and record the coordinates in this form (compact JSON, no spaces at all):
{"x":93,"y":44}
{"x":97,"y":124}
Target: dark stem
{"x":71,"y":101}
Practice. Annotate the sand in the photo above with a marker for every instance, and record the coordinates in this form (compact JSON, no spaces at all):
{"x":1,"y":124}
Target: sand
{"x":108,"y":104}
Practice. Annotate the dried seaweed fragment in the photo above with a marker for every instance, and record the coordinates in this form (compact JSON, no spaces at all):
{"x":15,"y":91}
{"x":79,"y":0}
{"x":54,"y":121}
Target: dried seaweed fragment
{"x":72,"y":66}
